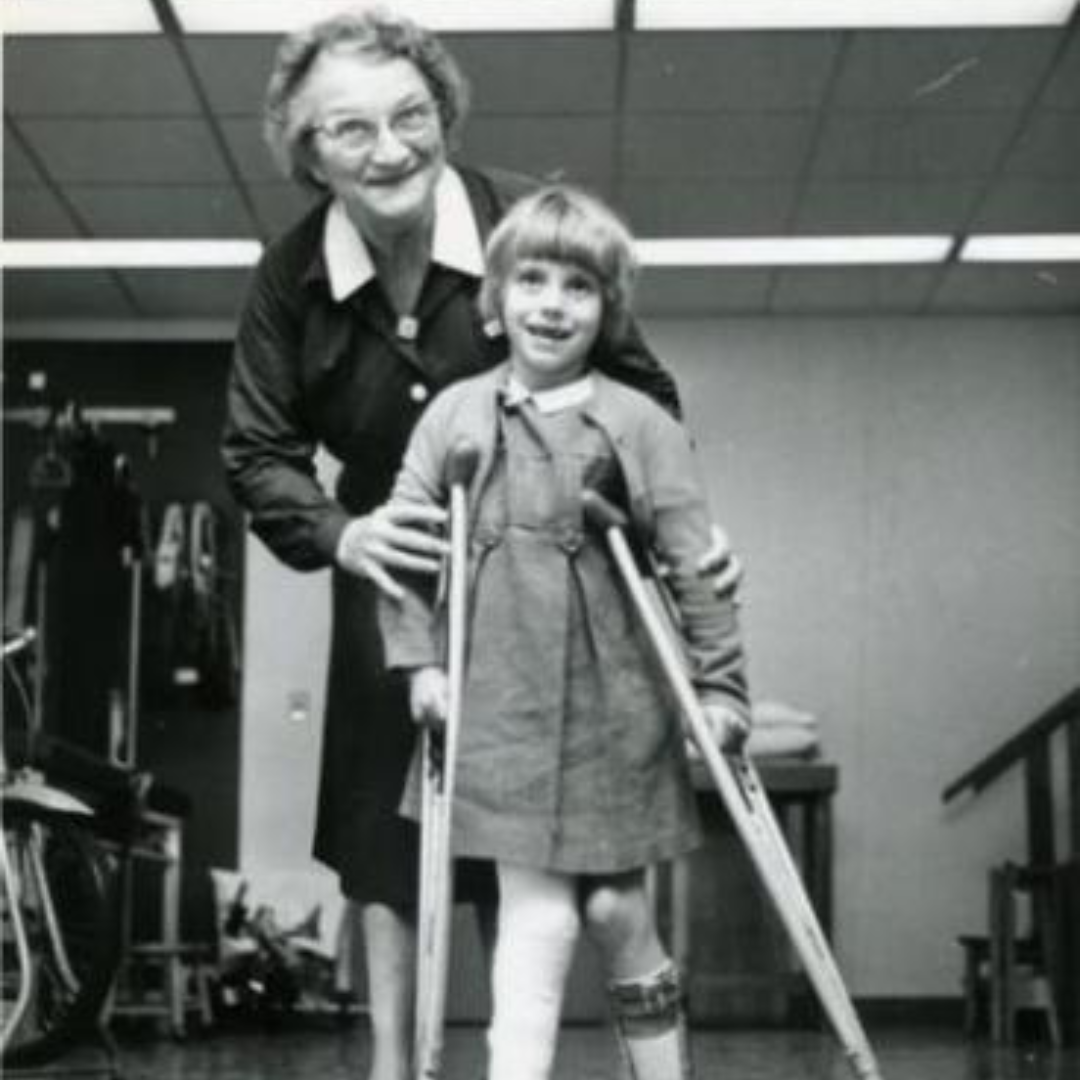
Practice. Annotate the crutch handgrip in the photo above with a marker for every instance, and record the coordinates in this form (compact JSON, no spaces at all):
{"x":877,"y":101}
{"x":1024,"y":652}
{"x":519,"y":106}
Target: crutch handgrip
{"x":602,"y":514}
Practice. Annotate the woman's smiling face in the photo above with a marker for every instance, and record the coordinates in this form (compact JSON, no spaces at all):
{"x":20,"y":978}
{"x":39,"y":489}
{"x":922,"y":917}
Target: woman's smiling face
{"x":376,"y":138}
{"x":551,"y":310}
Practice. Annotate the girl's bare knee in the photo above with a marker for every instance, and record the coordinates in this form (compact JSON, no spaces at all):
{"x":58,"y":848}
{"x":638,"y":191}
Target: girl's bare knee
{"x":617,"y":912}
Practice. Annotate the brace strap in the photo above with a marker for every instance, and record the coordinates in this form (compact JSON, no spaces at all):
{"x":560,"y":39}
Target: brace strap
{"x":649,"y":1005}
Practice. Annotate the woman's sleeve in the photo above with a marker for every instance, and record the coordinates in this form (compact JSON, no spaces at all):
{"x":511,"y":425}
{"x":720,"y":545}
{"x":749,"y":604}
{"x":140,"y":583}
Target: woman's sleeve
{"x":630,"y":360}
{"x":681,"y":535}
{"x":267,"y":447}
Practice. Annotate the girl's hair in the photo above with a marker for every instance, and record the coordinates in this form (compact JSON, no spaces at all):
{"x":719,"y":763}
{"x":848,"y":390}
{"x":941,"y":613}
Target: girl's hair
{"x":373,"y":32}
{"x":566,"y":224}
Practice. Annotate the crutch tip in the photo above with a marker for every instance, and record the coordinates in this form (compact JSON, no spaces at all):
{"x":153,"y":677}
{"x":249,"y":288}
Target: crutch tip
{"x":864,"y":1066}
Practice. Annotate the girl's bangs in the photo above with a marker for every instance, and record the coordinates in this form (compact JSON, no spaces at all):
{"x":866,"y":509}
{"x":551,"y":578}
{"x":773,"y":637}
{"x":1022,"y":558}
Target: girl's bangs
{"x":566,"y":237}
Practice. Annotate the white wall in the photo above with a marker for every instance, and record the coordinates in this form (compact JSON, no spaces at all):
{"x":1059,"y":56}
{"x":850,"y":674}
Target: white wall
{"x":906,"y":496}
{"x":286,"y":646}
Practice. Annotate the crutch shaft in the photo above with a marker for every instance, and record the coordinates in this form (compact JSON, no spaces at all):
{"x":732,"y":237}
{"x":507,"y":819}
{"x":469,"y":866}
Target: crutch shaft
{"x":761,"y":842}
{"x":436,"y":861}
{"x":784,"y":874}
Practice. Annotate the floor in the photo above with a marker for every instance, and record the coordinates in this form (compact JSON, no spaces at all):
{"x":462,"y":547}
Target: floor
{"x":586,"y":1053}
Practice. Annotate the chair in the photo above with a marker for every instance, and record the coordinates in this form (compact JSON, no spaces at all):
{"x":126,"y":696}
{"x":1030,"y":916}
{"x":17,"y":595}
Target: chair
{"x":1029,"y":959}
{"x":1019,"y":955}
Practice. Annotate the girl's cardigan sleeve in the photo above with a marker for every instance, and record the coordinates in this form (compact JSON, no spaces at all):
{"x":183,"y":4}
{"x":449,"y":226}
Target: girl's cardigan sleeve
{"x":410,"y":627}
{"x":679,"y":526}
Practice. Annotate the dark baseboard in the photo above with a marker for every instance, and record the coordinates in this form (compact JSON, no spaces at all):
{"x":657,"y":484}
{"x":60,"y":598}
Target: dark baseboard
{"x":912,"y":1011}
{"x":942,"y":1013}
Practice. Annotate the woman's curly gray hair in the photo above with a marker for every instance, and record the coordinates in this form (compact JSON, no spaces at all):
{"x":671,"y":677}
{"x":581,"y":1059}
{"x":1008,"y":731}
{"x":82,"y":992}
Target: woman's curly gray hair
{"x":374,"y":31}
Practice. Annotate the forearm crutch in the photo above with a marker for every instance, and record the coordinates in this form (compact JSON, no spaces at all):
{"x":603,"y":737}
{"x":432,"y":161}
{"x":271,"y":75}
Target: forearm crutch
{"x":740,"y":789}
{"x":439,"y":764}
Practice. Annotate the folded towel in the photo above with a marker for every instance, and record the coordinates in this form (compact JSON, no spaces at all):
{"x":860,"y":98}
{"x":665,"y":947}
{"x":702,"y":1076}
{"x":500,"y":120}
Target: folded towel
{"x":780,"y":714}
{"x":781,"y":730}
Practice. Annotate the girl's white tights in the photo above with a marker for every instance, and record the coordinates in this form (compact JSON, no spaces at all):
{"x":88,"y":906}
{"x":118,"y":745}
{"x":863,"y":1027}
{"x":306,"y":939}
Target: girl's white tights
{"x":539,"y":926}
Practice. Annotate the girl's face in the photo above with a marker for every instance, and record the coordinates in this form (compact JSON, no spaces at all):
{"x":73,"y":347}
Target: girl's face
{"x":551,"y":311}
{"x":376,"y":138}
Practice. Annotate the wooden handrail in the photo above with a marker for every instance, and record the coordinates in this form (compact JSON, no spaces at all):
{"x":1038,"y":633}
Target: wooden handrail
{"x":1016,"y":748}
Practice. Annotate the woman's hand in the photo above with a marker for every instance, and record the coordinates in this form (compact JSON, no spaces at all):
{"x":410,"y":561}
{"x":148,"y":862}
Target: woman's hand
{"x":429,"y":696}
{"x":721,"y":564}
{"x":395,"y":537}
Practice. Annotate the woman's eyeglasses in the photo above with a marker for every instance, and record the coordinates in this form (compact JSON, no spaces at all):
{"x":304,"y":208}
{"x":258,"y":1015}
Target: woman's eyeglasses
{"x":358,"y":134}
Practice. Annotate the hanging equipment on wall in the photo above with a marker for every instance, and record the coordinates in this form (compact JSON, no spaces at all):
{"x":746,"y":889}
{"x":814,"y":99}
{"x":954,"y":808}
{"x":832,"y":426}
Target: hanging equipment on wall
{"x":193,"y":654}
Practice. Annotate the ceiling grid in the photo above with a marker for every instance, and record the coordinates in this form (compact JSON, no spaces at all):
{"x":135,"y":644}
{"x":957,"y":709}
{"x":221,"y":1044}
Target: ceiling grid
{"x":691,"y":134}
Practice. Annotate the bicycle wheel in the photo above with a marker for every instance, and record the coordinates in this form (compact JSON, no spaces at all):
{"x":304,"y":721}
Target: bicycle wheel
{"x":62,"y":888}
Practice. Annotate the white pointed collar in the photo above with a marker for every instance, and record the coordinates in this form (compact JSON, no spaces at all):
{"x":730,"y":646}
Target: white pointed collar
{"x":455,"y":243}
{"x":549,"y":401}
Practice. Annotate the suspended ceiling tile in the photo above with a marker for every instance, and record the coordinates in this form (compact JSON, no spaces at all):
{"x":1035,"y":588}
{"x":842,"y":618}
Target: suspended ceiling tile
{"x":66,"y":294}
{"x":1022,"y":205}
{"x":279,"y":205}
{"x":243,"y":136}
{"x":1049,"y":147}
{"x":770,"y":145}
{"x":574,"y":146}
{"x":702,"y":291}
{"x":95,"y":76}
{"x":707,"y":72}
{"x":708,"y":207}
{"x":127,"y":151}
{"x":233,"y":70}
{"x":508,"y":73}
{"x":1003,"y":290}
{"x":205,"y":294}
{"x":19,"y":170}
{"x":954,"y":70}
{"x":850,"y":290}
{"x":911,"y":145}
{"x":36,"y":213}
{"x":163,"y":211}
{"x":1063,"y":89}
{"x":884,"y":206}
{"x":533,"y":74}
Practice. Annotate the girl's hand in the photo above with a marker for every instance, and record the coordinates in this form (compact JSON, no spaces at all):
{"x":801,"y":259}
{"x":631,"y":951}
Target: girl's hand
{"x":721,"y":564}
{"x":392,"y":536}
{"x":429,"y":696}
{"x":727,"y":728}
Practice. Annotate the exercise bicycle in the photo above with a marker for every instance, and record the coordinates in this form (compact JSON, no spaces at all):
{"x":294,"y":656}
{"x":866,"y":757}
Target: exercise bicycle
{"x":60,"y":917}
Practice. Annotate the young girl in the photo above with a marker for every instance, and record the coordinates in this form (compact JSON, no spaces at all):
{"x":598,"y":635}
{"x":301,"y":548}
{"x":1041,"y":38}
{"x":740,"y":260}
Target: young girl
{"x":572,"y":774}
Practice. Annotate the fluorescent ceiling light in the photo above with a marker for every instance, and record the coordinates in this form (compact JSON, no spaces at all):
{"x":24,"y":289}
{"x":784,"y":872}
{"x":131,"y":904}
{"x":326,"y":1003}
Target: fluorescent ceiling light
{"x":1045,"y":247}
{"x":79,"y":17}
{"x":795,"y":251}
{"x":846,"y":14}
{"x":695,"y":251}
{"x":280,"y":16}
{"x":127,"y":254}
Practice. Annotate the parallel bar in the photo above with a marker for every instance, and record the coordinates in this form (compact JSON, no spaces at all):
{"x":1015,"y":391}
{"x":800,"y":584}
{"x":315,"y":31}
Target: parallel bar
{"x":1066,"y":710}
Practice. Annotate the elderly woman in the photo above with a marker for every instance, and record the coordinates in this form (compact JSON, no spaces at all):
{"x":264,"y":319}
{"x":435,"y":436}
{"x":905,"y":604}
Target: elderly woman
{"x":355,"y":318}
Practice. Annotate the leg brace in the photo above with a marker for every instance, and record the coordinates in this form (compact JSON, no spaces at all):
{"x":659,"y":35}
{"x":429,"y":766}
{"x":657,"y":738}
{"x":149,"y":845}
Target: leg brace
{"x":650,"y":1023}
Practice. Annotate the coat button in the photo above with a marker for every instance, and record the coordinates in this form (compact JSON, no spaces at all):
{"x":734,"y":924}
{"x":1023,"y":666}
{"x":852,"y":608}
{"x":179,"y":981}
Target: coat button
{"x":419,"y":393}
{"x":570,"y":542}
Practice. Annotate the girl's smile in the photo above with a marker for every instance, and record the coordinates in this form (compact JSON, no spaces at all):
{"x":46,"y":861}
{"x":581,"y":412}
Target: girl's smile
{"x":552,"y":312}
